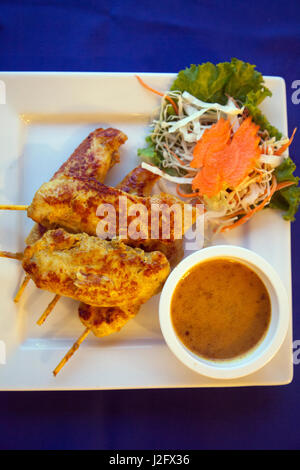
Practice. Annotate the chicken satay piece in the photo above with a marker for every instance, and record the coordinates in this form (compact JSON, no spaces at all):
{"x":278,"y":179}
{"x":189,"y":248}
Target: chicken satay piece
{"x":92,"y":158}
{"x":94,"y":271}
{"x":103,"y":321}
{"x":139,"y":182}
{"x":72,"y":203}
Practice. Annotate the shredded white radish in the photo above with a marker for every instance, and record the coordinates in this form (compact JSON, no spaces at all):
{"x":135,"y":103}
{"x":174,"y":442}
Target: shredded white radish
{"x":183,"y":122}
{"x":229,"y":109}
{"x":173,"y":179}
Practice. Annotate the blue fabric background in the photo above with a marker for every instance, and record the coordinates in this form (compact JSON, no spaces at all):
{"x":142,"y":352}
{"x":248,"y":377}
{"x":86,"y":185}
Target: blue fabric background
{"x":163,"y":36}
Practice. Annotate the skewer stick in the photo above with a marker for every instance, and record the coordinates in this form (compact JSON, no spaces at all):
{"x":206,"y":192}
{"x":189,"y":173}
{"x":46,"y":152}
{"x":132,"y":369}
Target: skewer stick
{"x":8,"y":254}
{"x":19,"y":257}
{"x":48,"y":310}
{"x":71,"y":351}
{"x":13,"y":207}
{"x":22,"y":288}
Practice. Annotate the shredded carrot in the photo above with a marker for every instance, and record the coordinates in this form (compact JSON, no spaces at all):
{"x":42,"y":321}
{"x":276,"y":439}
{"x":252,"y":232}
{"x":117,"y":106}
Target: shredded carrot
{"x":275,"y":187}
{"x":285,"y":146}
{"x":196,"y":194}
{"x":158,"y":93}
{"x":285,"y":184}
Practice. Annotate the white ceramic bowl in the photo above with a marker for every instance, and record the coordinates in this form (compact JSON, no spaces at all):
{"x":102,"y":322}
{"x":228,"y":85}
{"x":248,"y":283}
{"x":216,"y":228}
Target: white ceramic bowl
{"x":258,"y":356}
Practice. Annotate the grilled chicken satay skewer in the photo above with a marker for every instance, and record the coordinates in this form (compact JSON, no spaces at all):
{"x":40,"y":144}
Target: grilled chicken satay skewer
{"x":92,"y":158}
{"x":96,"y":272}
{"x":73,"y":204}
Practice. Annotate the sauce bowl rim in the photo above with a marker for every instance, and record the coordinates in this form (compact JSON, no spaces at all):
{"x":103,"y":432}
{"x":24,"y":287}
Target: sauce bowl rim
{"x":251,"y":361}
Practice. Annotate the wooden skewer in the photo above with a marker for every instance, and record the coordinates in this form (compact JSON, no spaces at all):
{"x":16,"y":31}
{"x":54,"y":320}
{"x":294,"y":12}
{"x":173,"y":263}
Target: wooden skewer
{"x":17,"y":256}
{"x":13,"y":207}
{"x":22,"y":288}
{"x":48,"y":310}
{"x":8,"y":254}
{"x":71,"y":351}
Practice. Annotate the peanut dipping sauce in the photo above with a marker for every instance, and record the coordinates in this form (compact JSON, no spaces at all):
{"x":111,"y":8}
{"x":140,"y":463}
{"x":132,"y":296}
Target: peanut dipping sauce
{"x":220,"y":309}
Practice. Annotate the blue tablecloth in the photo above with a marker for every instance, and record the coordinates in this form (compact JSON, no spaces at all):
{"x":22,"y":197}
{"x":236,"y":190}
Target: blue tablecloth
{"x":143,"y":35}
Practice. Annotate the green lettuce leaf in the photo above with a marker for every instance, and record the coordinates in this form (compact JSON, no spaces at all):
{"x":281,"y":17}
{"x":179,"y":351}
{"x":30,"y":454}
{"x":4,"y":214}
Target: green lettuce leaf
{"x":213,"y":83}
{"x":253,"y":99}
{"x":287,"y":199}
{"x":260,"y":119}
{"x":244,"y":81}
{"x":149,"y":154}
{"x":206,"y":81}
{"x":238,"y":79}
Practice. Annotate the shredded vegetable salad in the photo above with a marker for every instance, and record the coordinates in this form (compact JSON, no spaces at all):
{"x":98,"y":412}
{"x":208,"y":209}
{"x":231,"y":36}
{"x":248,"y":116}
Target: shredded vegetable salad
{"x":224,"y":155}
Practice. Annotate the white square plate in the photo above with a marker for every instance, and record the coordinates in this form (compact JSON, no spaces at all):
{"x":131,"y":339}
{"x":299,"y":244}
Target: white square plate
{"x":45,"y":117}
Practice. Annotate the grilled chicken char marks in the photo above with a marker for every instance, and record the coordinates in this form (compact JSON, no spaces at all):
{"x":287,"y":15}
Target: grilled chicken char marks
{"x":104,"y":321}
{"x":139,"y":182}
{"x":94,"y":157}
